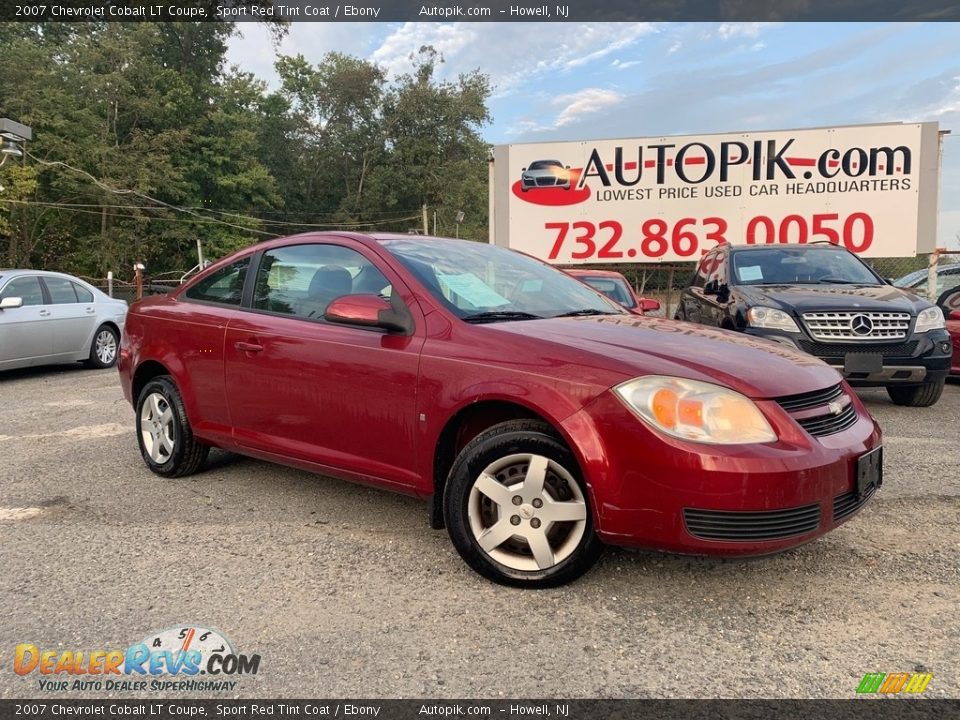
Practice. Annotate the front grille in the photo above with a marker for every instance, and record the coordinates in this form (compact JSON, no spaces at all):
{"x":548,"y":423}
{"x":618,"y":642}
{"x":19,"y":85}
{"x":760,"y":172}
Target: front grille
{"x":837,"y":413}
{"x":804,"y":401}
{"x":546,"y":181}
{"x":751,"y":526}
{"x":847,"y":504}
{"x":829,"y":424}
{"x":840,"y":350}
{"x":847,"y":325}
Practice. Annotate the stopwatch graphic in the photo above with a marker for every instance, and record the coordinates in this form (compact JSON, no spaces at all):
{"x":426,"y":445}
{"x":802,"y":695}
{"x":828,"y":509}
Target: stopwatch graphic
{"x":186,"y":638}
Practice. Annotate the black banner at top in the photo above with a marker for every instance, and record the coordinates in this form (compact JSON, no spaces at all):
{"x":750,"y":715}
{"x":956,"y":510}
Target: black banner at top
{"x":478,"y":10}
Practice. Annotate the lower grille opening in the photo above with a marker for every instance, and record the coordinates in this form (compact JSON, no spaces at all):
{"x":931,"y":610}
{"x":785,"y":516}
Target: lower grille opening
{"x":746,"y":526}
{"x":848,"y":503}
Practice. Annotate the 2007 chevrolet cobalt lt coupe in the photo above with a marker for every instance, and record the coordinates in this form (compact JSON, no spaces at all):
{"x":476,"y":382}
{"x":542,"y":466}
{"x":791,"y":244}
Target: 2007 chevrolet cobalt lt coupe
{"x":538,"y":418}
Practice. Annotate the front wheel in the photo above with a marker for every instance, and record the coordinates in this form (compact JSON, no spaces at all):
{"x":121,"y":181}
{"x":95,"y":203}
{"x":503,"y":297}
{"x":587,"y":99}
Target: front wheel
{"x":923,"y":395}
{"x":166,"y":440}
{"x":516,"y":508}
{"x":103,"y":349}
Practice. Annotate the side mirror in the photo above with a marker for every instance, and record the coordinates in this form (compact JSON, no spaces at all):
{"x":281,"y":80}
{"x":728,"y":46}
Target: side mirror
{"x":367,"y":311}
{"x":954,"y":315}
{"x":712,"y":287}
{"x":9,"y":303}
{"x":648,"y":305}
{"x":523,"y":169}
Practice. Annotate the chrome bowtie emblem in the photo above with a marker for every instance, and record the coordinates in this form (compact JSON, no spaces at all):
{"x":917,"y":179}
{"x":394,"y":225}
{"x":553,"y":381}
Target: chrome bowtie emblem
{"x":861,"y":325}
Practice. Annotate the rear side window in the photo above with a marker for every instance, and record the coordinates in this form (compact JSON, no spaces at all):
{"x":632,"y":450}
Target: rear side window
{"x":61,"y":291}
{"x":225,"y":286}
{"x":83,"y":295}
{"x":27,"y":288}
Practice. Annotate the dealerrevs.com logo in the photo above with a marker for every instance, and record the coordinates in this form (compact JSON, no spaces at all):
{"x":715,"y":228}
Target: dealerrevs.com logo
{"x":168,"y":660}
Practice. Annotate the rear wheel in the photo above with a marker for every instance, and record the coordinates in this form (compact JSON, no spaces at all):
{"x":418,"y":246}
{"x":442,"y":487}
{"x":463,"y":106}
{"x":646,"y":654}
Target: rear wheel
{"x":517,"y":510}
{"x":923,"y":395}
{"x":103,"y":349}
{"x":166,"y":440}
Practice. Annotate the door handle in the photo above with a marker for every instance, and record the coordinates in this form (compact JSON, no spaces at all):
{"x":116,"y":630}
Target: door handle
{"x":91,"y":311}
{"x":44,"y":313}
{"x":248,"y":347}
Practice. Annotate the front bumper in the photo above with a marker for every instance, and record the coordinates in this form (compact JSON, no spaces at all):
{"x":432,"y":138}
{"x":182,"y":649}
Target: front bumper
{"x":925,"y":357}
{"x":652,"y":491}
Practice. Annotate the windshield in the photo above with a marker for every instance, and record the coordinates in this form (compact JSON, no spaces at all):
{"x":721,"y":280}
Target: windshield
{"x":614,"y":288}
{"x":545,"y":164}
{"x":477,"y":279}
{"x":793,"y":266}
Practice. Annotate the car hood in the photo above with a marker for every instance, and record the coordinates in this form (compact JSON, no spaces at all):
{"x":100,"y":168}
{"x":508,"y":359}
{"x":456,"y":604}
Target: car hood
{"x":634,"y":346}
{"x":812,"y":298}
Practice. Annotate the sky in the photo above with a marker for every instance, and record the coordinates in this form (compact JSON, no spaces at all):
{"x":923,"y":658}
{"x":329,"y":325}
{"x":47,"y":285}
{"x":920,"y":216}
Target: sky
{"x":583,"y":81}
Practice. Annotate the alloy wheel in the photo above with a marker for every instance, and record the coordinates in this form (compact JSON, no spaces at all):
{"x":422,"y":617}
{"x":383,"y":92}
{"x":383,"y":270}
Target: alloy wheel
{"x":157,"y":428}
{"x":106,"y":347}
{"x":527,"y":512}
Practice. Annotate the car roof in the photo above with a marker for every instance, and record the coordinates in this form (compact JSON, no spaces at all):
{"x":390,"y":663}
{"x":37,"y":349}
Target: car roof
{"x":816,"y":246}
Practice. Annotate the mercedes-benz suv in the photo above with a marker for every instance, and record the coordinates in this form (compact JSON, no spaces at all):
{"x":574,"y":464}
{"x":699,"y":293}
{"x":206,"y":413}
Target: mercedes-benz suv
{"x":824,"y":300}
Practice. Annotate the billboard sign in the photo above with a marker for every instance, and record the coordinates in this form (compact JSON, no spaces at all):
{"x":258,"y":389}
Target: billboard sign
{"x":869,"y":188}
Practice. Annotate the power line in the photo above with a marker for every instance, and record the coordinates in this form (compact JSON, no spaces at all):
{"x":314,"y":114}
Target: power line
{"x":115,"y":191}
{"x":80,"y":208}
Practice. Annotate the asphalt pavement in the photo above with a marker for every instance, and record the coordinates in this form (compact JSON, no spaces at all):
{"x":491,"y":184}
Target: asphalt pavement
{"x":344,"y":591}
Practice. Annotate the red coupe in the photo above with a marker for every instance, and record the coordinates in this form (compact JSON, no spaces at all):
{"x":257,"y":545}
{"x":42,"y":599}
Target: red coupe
{"x":616,"y":287}
{"x":539,"y":419}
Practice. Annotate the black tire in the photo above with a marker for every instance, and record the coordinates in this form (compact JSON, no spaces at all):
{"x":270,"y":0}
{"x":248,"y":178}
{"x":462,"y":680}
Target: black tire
{"x":187,"y":454}
{"x":106,"y":337}
{"x":923,"y":395}
{"x":500,"y":442}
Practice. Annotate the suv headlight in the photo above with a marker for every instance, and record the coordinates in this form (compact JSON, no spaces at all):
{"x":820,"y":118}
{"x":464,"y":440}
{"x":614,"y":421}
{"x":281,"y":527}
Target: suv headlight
{"x":771,"y":319}
{"x":696,"y":411}
{"x":930,"y":319}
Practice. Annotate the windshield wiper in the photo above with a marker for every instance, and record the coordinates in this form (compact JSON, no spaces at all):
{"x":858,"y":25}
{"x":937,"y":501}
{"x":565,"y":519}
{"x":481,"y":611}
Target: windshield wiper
{"x":841,"y":281}
{"x":498,"y":315}
{"x":584,"y":313}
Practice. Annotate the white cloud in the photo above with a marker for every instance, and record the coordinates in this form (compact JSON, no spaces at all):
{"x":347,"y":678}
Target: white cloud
{"x":624,"y":64}
{"x":674,"y":47}
{"x":570,"y":109}
{"x":749,"y":29}
{"x":512,"y":54}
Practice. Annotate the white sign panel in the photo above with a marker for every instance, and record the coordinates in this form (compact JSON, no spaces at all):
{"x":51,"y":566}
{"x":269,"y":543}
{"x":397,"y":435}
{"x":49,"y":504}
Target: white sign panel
{"x":871,"y":189}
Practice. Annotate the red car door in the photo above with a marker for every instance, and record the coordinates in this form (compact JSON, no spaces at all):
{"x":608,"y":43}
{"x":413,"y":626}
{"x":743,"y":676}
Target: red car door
{"x":333,"y":395}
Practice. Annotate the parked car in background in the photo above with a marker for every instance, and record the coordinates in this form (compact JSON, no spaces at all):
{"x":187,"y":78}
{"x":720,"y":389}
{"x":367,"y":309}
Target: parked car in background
{"x":48,"y":318}
{"x":948,"y":276}
{"x":953,"y":327}
{"x":824,"y":300}
{"x":537,"y":417}
{"x":616,"y":287}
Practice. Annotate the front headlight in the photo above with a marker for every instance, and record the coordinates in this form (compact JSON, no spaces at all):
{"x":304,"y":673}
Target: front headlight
{"x":930,"y":319}
{"x":696,"y":411}
{"x":771,"y":319}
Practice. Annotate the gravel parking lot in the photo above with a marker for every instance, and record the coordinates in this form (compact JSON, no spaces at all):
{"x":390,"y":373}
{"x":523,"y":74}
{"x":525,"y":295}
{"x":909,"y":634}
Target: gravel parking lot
{"x":345,"y":592}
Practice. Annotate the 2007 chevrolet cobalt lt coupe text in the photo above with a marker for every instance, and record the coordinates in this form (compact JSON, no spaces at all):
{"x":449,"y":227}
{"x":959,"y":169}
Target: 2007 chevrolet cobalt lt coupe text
{"x":538,"y":418}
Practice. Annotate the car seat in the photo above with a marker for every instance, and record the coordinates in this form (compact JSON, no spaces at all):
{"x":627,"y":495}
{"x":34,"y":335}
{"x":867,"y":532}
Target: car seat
{"x":327,"y":284}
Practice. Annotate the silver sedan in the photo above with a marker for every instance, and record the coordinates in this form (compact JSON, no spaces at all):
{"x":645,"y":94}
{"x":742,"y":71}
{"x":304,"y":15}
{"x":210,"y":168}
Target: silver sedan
{"x":48,"y":318}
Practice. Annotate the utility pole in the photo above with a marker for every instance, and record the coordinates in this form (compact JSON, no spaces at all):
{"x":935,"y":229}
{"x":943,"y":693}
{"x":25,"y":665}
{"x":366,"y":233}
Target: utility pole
{"x":426,"y":221}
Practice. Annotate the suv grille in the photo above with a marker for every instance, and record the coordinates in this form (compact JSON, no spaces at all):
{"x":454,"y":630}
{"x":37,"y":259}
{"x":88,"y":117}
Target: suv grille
{"x":837,"y":412}
{"x":841,"y":349}
{"x":751,"y":526}
{"x":846,"y":325}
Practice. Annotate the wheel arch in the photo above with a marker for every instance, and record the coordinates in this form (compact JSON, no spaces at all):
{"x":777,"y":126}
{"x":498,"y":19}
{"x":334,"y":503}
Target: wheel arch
{"x":464,"y":425}
{"x":146,"y":372}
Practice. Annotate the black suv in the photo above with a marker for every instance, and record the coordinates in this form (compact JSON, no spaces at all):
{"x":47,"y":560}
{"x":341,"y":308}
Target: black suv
{"x":824,"y":300}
